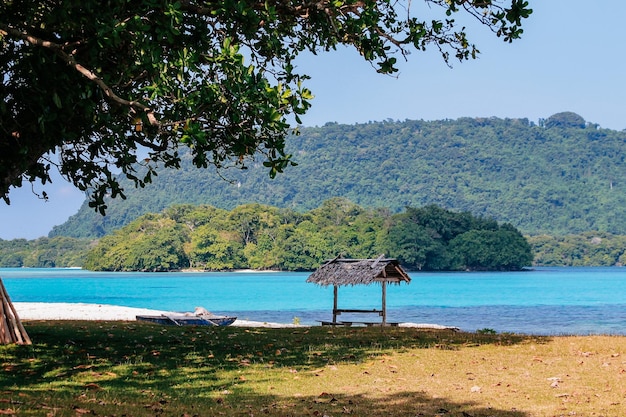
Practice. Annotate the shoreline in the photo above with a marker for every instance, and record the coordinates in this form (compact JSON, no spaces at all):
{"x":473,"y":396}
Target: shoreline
{"x":28,"y":311}
{"x":105,"y":312}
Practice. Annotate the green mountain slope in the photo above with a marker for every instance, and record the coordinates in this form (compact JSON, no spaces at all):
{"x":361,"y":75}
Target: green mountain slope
{"x":561,"y":176}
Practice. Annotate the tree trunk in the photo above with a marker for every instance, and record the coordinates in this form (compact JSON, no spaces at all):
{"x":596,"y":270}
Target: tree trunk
{"x":11,"y":329}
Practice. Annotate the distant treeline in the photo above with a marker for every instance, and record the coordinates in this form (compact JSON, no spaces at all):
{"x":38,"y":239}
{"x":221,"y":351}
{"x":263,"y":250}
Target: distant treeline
{"x":263,"y":237}
{"x":270,"y":238}
{"x":44,"y":252}
{"x":587,"y":249}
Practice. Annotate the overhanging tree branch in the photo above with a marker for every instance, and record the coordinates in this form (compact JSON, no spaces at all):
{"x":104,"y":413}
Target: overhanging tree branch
{"x":87,"y":73}
{"x":185,"y":61}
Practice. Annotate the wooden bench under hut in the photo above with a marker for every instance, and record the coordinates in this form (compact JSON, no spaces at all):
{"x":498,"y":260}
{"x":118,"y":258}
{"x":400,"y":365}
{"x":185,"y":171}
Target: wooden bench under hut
{"x":342,"y":271}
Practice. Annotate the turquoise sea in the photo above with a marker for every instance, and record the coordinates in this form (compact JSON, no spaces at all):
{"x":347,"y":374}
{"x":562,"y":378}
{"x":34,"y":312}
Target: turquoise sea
{"x":540,"y":301}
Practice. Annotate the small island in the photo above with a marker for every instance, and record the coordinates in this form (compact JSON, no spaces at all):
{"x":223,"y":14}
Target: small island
{"x":260,"y":237}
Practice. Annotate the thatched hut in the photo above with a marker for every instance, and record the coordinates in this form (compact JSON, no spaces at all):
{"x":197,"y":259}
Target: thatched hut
{"x":341,"y":271}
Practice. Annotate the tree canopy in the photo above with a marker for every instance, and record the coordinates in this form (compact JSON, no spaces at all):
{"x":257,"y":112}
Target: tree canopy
{"x":544,"y":180}
{"x":89,"y":85}
{"x":565,"y":119}
{"x":264,"y":237}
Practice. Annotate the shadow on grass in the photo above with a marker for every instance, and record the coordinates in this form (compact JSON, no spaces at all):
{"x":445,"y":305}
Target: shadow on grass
{"x":413,"y":404}
{"x":117,"y":368}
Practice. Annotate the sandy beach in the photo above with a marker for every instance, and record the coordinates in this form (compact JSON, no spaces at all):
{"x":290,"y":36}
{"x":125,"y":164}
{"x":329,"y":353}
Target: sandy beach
{"x":104,"y":312}
{"x":107,"y":312}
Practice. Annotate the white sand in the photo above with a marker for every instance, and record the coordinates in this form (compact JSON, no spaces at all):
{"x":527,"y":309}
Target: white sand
{"x":107,"y":312}
{"x":104,"y":312}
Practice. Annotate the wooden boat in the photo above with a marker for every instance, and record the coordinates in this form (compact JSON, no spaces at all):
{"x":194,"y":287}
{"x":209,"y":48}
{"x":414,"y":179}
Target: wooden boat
{"x":189,"y":320}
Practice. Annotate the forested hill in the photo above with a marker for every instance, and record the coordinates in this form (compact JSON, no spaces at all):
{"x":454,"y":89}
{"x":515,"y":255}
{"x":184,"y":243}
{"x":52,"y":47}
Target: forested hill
{"x":562,"y":175}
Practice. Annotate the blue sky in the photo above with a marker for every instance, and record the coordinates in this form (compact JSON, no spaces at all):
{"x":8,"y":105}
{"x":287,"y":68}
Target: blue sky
{"x":572,"y":57}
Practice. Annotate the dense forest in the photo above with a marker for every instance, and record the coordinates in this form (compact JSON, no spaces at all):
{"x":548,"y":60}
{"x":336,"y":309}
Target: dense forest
{"x":265,"y":237}
{"x":587,"y":249}
{"x":558,"y":181}
{"x":556,"y":177}
{"x":44,"y":252}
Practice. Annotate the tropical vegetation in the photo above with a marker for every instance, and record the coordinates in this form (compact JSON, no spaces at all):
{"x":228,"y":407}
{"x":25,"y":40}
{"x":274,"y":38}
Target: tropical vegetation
{"x":586,"y":249}
{"x":556,"y":177}
{"x":92,"y":88}
{"x":265,"y":237}
{"x":44,"y":252}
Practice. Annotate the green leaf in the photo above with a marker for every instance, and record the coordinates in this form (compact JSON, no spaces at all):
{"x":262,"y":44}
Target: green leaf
{"x":57,"y":100}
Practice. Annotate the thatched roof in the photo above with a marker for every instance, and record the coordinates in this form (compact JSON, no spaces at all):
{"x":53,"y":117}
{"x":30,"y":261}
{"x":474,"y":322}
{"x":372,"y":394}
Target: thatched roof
{"x":340,"y":271}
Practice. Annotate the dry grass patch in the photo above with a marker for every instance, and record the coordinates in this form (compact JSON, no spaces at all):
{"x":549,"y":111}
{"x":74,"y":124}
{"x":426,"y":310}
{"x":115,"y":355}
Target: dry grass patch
{"x":117,"y":369}
{"x":562,"y":376}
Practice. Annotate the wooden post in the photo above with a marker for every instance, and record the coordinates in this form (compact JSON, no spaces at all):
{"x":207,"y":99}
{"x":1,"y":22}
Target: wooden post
{"x":384,"y":302}
{"x":384,"y":307}
{"x":11,"y":329}
{"x":334,"y":304}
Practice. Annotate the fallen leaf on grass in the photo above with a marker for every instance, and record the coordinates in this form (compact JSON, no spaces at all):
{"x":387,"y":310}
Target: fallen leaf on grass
{"x":555,"y":381}
{"x":325,"y":398}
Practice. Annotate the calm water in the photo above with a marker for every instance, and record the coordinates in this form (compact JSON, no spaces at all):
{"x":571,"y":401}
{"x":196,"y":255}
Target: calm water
{"x":542,"y":301}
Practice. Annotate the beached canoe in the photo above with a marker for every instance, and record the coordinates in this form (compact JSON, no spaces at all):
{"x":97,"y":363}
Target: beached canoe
{"x":189,"y":320}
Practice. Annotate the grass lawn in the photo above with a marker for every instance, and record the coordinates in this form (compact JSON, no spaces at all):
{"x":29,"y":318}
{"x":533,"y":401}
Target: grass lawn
{"x":138,"y":369}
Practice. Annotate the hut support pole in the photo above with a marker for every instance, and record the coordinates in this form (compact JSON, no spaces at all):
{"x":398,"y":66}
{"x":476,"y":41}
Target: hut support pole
{"x":384,"y":307}
{"x":334,"y":304}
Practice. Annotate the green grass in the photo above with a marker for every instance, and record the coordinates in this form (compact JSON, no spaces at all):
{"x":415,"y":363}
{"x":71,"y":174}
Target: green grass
{"x":137,"y":369}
